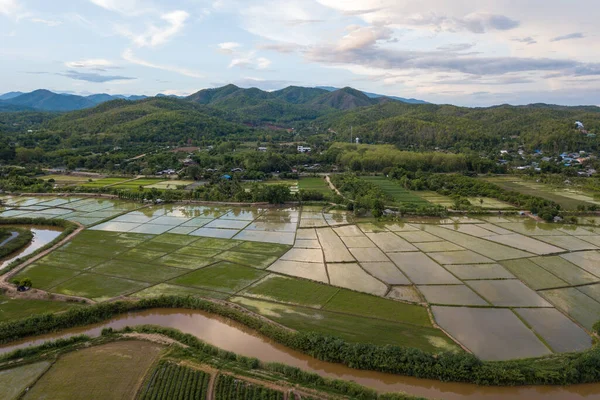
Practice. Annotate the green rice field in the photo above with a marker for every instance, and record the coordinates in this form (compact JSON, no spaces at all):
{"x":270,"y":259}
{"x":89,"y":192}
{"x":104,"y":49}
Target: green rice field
{"x":135,"y":184}
{"x":170,"y":184}
{"x":16,"y":380}
{"x":104,"y":182}
{"x":317,"y":184}
{"x":12,"y":309}
{"x":395,"y":191}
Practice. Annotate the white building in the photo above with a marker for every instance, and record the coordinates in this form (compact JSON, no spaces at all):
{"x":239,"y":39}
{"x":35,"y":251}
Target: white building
{"x":302,"y":149}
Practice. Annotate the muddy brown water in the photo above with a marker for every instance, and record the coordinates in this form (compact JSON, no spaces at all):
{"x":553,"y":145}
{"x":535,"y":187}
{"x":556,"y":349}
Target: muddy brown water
{"x":237,"y":338}
{"x":41,"y":237}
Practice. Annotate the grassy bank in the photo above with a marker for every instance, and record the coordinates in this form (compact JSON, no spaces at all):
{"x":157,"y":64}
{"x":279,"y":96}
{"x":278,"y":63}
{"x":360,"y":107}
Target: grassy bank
{"x":24,"y":237}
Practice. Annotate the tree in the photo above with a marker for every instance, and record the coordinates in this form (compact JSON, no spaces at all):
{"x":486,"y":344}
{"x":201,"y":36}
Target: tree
{"x":276,"y":194}
{"x":26,"y":282}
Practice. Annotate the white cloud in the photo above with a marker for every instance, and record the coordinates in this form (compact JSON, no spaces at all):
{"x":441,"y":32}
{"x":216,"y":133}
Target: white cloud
{"x":9,"y":7}
{"x":93,"y":63}
{"x":262,"y":63}
{"x":249,"y":61}
{"x":130,"y":57}
{"x":158,"y":35}
{"x":126,"y":7}
{"x":362,"y":36}
{"x":48,"y":22}
{"x":176,"y":92}
{"x":241,"y":58}
{"x":228,"y":47}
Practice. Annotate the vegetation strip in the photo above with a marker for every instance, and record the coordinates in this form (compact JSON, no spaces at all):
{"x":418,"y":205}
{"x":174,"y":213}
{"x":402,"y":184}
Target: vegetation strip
{"x":14,"y":243}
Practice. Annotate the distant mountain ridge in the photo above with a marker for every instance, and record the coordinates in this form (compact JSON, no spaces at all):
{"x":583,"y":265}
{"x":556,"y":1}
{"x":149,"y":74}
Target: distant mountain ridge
{"x":45,"y":100}
{"x":375,"y":96}
{"x":305,"y":100}
{"x":10,"y":95}
{"x":317,"y":99}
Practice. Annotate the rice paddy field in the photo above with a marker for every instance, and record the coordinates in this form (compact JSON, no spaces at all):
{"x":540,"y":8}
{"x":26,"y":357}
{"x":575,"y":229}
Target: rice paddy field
{"x":568,"y":198}
{"x":103,"y":182}
{"x":170,"y":184}
{"x":136,"y":183}
{"x":311,"y":269}
{"x":85,"y":373}
{"x":87,"y":211}
{"x":317,"y":184}
{"x":394,"y":190}
{"x":127,"y":183}
{"x":69,"y":180}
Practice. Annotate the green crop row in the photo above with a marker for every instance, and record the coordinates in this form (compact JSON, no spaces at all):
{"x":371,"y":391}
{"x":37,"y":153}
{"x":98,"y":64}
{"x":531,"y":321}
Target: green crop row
{"x":230,"y":388}
{"x":172,"y":381}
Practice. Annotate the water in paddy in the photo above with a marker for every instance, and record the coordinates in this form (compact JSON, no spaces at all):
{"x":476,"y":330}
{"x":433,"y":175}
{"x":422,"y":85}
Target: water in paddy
{"x":237,"y":338}
{"x":41,"y":237}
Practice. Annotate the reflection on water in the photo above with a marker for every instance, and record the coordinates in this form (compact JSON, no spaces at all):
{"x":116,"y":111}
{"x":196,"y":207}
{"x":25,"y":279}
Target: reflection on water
{"x":237,"y":338}
{"x":41,"y":237}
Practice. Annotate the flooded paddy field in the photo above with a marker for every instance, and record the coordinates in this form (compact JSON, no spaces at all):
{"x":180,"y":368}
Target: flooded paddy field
{"x":308,"y":268}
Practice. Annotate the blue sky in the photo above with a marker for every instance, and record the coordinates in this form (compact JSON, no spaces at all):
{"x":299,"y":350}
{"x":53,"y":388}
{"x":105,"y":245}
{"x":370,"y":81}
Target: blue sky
{"x":462,"y":52}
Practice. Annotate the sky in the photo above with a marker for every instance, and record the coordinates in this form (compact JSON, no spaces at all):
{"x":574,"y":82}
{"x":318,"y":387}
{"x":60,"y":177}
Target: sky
{"x":464,"y":52}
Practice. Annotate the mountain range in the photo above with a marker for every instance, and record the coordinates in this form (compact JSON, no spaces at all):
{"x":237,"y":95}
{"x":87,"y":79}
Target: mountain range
{"x":45,"y":100}
{"x":375,"y":95}
{"x":230,"y":111}
{"x":307,"y":100}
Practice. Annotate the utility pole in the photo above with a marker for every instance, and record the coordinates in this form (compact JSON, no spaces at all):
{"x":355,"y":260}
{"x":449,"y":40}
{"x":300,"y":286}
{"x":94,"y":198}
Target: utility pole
{"x":351,"y":134}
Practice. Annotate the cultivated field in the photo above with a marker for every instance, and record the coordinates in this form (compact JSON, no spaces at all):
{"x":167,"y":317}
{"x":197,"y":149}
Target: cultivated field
{"x":135,"y":184}
{"x":69,"y":180}
{"x":87,"y":211}
{"x":231,"y":388}
{"x":397,"y":192}
{"x":15,"y":381}
{"x":172,"y":381}
{"x":311,"y":269}
{"x":170,"y":184}
{"x":317,"y":184}
{"x":11,"y":309}
{"x":105,"y":182}
{"x":86,"y":374}
{"x":568,"y":199}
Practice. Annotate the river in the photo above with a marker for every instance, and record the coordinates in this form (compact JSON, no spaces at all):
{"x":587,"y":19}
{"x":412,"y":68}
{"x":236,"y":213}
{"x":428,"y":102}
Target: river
{"x":41,"y":237}
{"x":235,"y":337}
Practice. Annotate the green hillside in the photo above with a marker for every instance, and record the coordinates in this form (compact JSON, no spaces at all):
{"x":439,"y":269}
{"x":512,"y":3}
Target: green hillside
{"x":153,"y":119}
{"x":428,"y":126}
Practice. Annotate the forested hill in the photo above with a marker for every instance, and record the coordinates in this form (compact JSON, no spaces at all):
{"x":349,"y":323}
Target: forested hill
{"x":536,"y":126}
{"x":287,"y":105}
{"x":156,"y":119}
